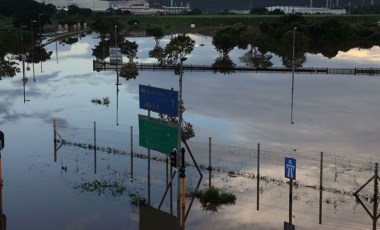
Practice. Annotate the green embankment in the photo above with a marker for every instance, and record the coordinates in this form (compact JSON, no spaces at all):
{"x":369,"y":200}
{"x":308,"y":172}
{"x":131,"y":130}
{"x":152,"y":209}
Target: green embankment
{"x":210,"y":23}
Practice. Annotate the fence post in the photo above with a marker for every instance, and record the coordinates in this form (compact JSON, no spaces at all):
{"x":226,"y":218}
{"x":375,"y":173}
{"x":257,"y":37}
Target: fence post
{"x":55,"y":141}
{"x":95,"y":147}
{"x":320,"y":189}
{"x":258,"y":176}
{"x":131,"y":152}
{"x":209,"y":162}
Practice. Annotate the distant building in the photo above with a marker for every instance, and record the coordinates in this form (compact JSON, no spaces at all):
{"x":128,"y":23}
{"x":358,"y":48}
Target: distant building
{"x":305,"y":10}
{"x":95,"y":5}
{"x":134,"y":6}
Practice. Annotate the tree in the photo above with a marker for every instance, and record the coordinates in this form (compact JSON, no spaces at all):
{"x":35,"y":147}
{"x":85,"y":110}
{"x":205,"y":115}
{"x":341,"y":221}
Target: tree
{"x":195,"y":12}
{"x":7,"y":68}
{"x":178,"y":48}
{"x":107,"y":25}
{"x":130,"y":49}
{"x":259,"y":10}
{"x":156,"y":32}
{"x":223,"y":65}
{"x":226,"y":39}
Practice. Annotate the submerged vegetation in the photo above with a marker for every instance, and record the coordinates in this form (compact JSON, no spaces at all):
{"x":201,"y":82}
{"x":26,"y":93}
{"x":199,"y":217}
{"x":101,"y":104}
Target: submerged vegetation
{"x":104,"y":101}
{"x":213,"y":198}
{"x":113,"y":188}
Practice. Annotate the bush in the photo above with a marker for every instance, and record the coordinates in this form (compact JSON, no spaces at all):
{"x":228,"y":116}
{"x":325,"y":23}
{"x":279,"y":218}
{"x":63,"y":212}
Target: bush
{"x":213,"y":198}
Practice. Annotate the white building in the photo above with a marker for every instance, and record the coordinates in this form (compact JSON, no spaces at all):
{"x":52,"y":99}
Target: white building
{"x":306,"y":10}
{"x":95,"y":5}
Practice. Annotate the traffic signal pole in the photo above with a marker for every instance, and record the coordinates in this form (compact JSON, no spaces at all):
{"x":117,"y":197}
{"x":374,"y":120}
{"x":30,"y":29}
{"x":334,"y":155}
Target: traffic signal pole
{"x":183,"y":177}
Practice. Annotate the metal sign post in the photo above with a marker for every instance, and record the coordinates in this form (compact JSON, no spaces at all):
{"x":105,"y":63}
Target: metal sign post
{"x":290,"y":172}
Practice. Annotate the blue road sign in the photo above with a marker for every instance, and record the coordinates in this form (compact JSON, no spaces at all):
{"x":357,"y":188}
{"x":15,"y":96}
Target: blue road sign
{"x":290,"y":168}
{"x":159,"y":100}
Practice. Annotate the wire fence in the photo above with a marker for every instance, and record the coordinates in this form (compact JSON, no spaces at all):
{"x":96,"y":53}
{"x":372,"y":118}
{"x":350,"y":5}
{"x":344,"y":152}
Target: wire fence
{"x":323,"y":190}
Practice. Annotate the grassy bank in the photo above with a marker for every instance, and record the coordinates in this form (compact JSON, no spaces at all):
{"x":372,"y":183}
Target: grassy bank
{"x":210,"y":23}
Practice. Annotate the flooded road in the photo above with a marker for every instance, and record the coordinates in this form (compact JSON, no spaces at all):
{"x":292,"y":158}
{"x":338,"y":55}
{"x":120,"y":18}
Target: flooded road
{"x":337,"y":115}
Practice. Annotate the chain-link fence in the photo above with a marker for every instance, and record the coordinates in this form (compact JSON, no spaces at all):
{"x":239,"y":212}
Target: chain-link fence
{"x":323,"y":190}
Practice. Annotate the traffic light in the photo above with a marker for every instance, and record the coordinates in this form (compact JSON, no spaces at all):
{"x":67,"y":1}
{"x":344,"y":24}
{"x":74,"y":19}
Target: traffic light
{"x":1,"y":140}
{"x":173,"y":158}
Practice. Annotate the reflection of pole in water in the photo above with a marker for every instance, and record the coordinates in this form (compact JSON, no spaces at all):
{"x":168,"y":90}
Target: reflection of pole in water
{"x":56,"y":50}
{"x":3,"y":218}
{"x":117,"y":104}
{"x":23,"y":57}
{"x":32,"y":47}
{"x":117,"y":80}
{"x":39,"y":24}
{"x":24,"y":81}
{"x":148,"y":169}
{"x":294,"y":42}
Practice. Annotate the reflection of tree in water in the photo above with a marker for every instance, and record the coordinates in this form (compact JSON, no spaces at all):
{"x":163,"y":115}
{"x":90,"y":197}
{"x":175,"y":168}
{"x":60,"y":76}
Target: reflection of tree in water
{"x":256,"y":59}
{"x":129,"y":70}
{"x":128,"y":48}
{"x":157,"y":33}
{"x":224,"y":65}
{"x":101,"y":50}
{"x":156,"y":52}
{"x":7,"y":68}
{"x":11,"y":51}
{"x":298,"y":61}
{"x":70,"y":40}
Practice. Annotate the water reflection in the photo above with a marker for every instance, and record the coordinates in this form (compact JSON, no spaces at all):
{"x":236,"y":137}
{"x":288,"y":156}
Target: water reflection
{"x":223,"y":65}
{"x":254,"y":58}
{"x":334,"y":113}
{"x":13,"y":50}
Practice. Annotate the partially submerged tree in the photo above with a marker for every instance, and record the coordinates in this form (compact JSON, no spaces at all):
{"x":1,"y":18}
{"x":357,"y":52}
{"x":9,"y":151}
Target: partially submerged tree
{"x":157,"y":33}
{"x":177,"y":49}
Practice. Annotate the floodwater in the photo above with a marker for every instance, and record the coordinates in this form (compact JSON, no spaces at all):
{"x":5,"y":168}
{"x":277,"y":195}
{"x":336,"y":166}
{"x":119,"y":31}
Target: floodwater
{"x":334,"y":114}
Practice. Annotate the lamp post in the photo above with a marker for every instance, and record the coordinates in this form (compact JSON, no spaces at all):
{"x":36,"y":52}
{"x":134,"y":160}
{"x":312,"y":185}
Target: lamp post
{"x":180,"y":109}
{"x":32,"y":47}
{"x":39,"y":24}
{"x":294,"y":43}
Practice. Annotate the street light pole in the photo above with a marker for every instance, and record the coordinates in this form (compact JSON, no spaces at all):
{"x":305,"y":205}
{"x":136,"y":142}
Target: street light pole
{"x":294,"y":43}
{"x":32,"y":47}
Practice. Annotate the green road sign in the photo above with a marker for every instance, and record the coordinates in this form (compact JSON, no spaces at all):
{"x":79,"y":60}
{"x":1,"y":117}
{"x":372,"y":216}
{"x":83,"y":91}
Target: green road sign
{"x":157,"y":135}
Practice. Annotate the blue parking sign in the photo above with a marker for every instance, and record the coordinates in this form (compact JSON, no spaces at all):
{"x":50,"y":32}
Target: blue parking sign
{"x":290,"y":168}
